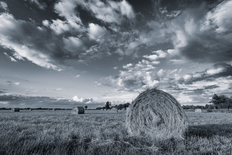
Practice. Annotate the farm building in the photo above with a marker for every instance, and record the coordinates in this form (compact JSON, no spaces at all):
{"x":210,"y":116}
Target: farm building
{"x":78,"y":110}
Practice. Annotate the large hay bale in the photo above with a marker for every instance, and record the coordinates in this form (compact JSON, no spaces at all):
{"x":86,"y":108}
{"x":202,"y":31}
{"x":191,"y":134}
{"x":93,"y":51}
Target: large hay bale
{"x":156,"y":114}
{"x":15,"y":109}
{"x":78,"y":110}
{"x":198,"y":110}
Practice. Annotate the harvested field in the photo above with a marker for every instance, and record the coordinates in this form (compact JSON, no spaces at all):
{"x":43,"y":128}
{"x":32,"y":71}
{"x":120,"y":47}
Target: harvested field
{"x":102,"y":132}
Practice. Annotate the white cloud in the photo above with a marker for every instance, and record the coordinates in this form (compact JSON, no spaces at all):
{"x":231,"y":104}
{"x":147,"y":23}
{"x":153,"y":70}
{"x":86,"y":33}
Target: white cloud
{"x":157,"y":56}
{"x":45,"y":23}
{"x":214,"y":71}
{"x":4,"y":6}
{"x":96,"y":32}
{"x":11,"y":58}
{"x":58,"y":89}
{"x":84,"y":100}
{"x":16,"y":83}
{"x":127,"y":66}
{"x":22,"y":49}
{"x":160,"y":53}
{"x":67,"y":9}
{"x":126,"y":9}
{"x":220,"y":18}
{"x":59,"y":26}
{"x":77,"y":76}
{"x":32,"y":55}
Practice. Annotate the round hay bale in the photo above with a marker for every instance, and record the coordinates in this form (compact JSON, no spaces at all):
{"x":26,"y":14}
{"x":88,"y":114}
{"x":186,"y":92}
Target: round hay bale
{"x":15,"y":109}
{"x":78,"y":110}
{"x":198,"y":110}
{"x":156,"y":114}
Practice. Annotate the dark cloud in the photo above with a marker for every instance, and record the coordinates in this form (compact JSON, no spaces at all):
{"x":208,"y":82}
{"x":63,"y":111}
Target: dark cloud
{"x":211,"y":87}
{"x":11,"y":100}
{"x":1,"y":92}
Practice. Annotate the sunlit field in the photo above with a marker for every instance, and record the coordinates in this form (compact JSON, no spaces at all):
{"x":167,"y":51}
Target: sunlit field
{"x":104,"y":132}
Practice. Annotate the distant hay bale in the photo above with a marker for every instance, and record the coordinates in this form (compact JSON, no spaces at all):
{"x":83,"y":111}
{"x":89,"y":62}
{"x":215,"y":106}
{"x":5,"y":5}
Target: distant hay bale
{"x":198,"y":110}
{"x":78,"y":110}
{"x":15,"y":109}
{"x":156,"y":114}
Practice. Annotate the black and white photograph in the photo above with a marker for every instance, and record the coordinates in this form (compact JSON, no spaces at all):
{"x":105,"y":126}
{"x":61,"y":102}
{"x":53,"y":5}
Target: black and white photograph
{"x":115,"y":77}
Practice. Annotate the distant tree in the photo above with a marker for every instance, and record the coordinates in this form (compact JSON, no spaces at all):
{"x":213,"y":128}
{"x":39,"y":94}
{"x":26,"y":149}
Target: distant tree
{"x":228,"y":103}
{"x":120,"y":106}
{"x":108,"y":105}
{"x":220,"y":101}
{"x":126,"y":105}
{"x":86,"y":107}
{"x":98,"y":108}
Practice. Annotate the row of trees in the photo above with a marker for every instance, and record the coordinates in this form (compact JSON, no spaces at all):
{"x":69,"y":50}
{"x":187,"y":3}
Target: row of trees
{"x":108,"y":106}
{"x":221,"y":101}
{"x":217,"y":102}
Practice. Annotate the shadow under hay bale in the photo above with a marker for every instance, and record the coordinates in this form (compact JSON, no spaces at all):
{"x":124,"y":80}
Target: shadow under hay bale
{"x":78,"y":110}
{"x":15,"y":109}
{"x":156,"y":114}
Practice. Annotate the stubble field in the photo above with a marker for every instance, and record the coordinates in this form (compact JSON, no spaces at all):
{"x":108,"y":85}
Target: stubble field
{"x":101,"y":132}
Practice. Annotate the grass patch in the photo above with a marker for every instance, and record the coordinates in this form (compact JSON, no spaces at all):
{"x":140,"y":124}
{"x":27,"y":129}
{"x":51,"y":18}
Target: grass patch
{"x":59,"y":132}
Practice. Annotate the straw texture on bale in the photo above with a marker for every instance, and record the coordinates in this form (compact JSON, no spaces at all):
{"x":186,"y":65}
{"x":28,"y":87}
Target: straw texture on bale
{"x":78,"y":110}
{"x":15,"y":109}
{"x":198,"y":110}
{"x":156,"y":114}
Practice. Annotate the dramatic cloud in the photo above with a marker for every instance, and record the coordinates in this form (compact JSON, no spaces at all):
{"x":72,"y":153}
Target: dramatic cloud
{"x":203,"y":36}
{"x":12,"y":36}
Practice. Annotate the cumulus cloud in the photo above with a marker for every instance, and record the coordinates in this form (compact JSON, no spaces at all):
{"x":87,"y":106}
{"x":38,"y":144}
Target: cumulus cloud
{"x":135,"y":77}
{"x":82,"y":100}
{"x":66,"y":9}
{"x":96,"y":32}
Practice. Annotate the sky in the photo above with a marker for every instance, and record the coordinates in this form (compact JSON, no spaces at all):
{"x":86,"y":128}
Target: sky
{"x":64,"y":53}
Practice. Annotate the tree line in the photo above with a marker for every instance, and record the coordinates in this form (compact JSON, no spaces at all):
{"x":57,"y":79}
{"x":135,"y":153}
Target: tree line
{"x":217,"y":102}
